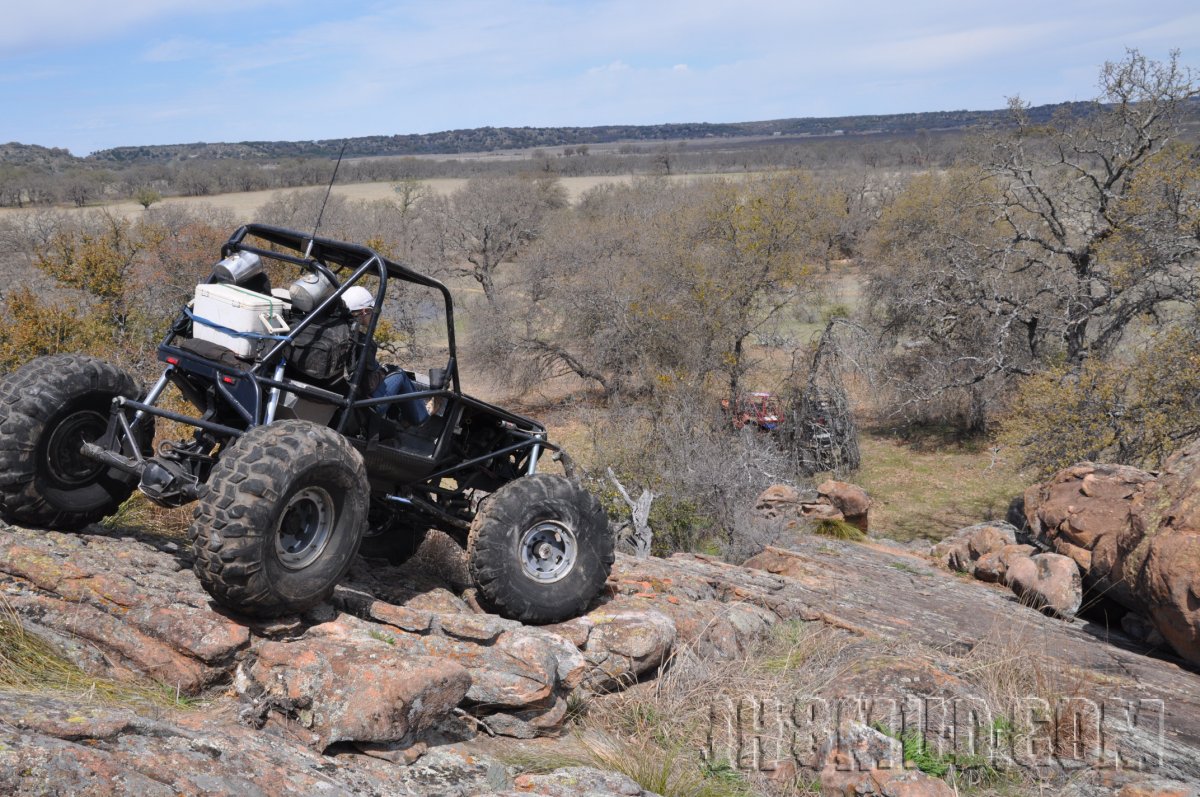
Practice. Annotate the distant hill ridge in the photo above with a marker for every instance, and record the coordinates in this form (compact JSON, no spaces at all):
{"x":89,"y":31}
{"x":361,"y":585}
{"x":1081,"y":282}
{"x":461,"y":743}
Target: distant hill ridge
{"x":486,"y":139}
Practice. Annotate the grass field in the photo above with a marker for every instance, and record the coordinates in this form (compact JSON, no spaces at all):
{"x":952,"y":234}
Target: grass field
{"x":928,"y":488}
{"x":244,"y":205}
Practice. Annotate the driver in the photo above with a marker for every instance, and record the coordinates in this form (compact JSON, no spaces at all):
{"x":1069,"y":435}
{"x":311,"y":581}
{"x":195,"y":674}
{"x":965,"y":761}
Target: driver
{"x":379,"y":383}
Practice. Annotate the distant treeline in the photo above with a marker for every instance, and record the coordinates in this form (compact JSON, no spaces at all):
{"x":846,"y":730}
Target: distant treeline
{"x":36,"y":175}
{"x":490,"y":139}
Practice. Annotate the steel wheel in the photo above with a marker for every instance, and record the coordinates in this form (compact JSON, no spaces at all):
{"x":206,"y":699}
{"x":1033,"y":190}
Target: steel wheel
{"x":65,"y":462}
{"x":304,"y":528}
{"x":548,"y":551}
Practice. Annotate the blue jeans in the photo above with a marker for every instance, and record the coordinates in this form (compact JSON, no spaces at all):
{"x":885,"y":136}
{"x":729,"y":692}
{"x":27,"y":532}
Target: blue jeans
{"x":394,"y":384}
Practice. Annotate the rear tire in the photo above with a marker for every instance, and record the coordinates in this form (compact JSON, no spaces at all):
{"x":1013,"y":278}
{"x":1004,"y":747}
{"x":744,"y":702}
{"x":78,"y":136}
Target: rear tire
{"x":49,"y":407}
{"x":280,"y":519}
{"x":540,"y":549}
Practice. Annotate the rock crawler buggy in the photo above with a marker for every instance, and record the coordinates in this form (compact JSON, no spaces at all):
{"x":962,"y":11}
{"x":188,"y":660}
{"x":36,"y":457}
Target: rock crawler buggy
{"x":293,"y":466}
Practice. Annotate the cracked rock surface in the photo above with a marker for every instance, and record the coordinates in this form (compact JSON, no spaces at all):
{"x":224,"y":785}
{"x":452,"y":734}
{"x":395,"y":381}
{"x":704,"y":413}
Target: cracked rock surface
{"x":394,"y":686}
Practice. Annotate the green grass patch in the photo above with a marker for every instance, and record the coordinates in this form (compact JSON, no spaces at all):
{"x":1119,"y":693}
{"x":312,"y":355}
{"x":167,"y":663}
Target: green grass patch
{"x":929,"y":486}
{"x":940,"y":764}
{"x":382,"y":637}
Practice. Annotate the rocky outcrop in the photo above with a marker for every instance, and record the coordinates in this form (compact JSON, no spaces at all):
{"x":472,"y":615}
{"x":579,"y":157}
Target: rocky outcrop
{"x":401,"y":678}
{"x":339,"y":683}
{"x":572,"y":781}
{"x":383,"y":662}
{"x":1160,"y":554}
{"x":1082,"y":512}
{"x":941,"y":623}
{"x":118,"y":610}
{"x":1134,"y":535}
{"x":862,"y":762}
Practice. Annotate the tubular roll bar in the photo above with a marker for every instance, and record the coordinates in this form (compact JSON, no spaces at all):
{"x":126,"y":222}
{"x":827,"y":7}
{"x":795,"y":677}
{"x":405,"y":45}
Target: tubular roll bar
{"x":312,"y":252}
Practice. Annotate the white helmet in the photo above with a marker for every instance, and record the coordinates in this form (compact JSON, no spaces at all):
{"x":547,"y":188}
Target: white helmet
{"x":358,"y":298}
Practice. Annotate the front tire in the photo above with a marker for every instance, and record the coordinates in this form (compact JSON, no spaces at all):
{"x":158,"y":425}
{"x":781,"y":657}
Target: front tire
{"x":280,"y":519}
{"x":540,"y":549}
{"x":49,"y":408}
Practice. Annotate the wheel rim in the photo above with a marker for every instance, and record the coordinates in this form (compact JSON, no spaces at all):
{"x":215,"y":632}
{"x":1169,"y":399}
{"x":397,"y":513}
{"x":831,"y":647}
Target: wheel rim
{"x":65,"y":461}
{"x":304,"y":528}
{"x":548,"y":551}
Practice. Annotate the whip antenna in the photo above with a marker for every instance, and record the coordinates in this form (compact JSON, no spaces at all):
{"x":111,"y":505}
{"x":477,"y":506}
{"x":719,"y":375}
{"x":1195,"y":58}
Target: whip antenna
{"x":321,"y":214}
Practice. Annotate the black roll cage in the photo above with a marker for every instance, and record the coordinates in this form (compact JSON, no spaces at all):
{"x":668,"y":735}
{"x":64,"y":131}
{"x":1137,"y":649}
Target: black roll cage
{"x":315,"y":253}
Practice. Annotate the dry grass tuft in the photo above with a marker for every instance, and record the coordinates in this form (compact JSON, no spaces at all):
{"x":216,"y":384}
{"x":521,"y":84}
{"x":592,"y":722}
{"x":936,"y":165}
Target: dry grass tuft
{"x":141,"y":514}
{"x":1006,"y":666}
{"x":838,"y":530}
{"x":30,"y":665}
{"x":655,"y":732}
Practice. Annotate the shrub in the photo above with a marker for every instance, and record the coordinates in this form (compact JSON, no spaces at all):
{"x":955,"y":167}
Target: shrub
{"x":1134,"y":410}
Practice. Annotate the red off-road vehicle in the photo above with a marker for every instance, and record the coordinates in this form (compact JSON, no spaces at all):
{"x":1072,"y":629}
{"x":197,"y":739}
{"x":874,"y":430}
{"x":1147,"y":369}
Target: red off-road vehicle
{"x":763,"y":411}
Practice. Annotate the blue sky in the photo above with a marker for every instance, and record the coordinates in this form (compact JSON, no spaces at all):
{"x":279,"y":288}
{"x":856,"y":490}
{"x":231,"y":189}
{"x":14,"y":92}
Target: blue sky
{"x":88,"y":75}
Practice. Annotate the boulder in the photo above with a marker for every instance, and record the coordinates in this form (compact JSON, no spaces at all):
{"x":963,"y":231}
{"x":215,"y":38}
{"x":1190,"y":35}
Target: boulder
{"x":884,"y":783}
{"x":833,"y":500}
{"x":860,"y":761}
{"x":1159,"y":555}
{"x":961,"y":550}
{"x":622,"y":645}
{"x":820,"y":510}
{"x":993,"y":565}
{"x":1047,"y":581}
{"x":849,"y":499}
{"x":781,"y":501}
{"x":1082,"y":512}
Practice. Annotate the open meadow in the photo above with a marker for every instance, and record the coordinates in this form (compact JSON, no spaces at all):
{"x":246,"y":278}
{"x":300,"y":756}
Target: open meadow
{"x":245,"y":204}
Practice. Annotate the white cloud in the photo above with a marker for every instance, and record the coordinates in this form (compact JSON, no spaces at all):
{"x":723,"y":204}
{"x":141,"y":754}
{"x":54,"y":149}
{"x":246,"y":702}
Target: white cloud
{"x":56,"y":23}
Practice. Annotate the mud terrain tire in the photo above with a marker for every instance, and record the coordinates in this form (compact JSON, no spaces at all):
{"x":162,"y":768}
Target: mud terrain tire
{"x":280,"y":519}
{"x":540,"y":549}
{"x":48,"y":408}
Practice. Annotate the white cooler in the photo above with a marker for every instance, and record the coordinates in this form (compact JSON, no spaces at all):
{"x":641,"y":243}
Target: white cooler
{"x":236,"y":309}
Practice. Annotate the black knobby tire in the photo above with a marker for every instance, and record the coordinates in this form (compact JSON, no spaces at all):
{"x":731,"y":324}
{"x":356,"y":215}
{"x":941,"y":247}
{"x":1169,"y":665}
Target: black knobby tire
{"x":48,"y":408}
{"x":540,"y":549}
{"x":280,"y":519}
